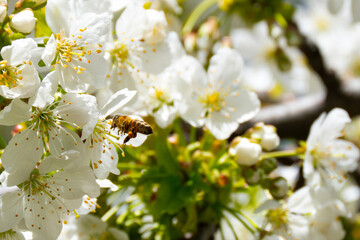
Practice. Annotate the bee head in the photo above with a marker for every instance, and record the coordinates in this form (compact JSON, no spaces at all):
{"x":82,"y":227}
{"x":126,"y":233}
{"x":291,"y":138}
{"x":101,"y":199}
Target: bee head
{"x":114,"y":120}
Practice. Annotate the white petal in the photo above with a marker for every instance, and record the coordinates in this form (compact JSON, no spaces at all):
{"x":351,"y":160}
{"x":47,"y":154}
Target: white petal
{"x":18,"y":51}
{"x":16,"y":112}
{"x":268,"y":204}
{"x":225,"y":67}
{"x":161,"y":55}
{"x":355,"y":7}
{"x":191,"y":111}
{"x":95,"y":71}
{"x":49,"y":51}
{"x":76,"y":183}
{"x":108,"y":160}
{"x":220,"y":126}
{"x":118,"y":234}
{"x":116,"y":101}
{"x":126,"y":29}
{"x":243,"y":106}
{"x":333,"y":124}
{"x":346,"y":155}
{"x":88,"y":128}
{"x":106,"y":183}
{"x":70,"y":80}
{"x":21,"y":155}
{"x":62,"y":139}
{"x":57,"y":15}
{"x":335,"y":5}
{"x":29,"y":83}
{"x":41,"y":217}
{"x":315,"y":132}
{"x":165,"y":115}
{"x":301,"y":201}
{"x":11,"y":210}
{"x":97,"y":27}
{"x":77,"y":108}
{"x":66,"y":160}
{"x":46,"y":91}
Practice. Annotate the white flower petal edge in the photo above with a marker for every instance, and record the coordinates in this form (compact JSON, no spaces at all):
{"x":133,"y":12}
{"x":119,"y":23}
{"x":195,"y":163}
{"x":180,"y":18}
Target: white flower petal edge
{"x":17,"y":111}
{"x":20,"y":156}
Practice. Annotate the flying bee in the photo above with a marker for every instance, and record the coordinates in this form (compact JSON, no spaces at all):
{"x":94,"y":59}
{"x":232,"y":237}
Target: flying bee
{"x":130,"y":126}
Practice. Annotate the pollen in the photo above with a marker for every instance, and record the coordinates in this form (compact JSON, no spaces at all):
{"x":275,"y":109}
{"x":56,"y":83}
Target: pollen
{"x":9,"y":75}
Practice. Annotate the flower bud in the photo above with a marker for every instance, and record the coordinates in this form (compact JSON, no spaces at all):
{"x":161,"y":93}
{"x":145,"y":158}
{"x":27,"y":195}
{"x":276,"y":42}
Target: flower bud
{"x":267,"y":136}
{"x":252,"y":176}
{"x":3,"y":12}
{"x":23,"y":21}
{"x":244,"y":151}
{"x":268,"y":165}
{"x":190,"y":42}
{"x":279,"y":188}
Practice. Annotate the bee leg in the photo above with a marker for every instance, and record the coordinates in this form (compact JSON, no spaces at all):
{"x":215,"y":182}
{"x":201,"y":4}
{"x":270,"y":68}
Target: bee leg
{"x":126,"y":140}
{"x":130,"y":136}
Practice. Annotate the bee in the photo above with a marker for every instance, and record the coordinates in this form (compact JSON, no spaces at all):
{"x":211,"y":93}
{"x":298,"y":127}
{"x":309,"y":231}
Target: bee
{"x":130,"y":126}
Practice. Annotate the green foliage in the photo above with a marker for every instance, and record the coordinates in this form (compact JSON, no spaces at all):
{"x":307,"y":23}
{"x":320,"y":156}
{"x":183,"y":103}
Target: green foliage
{"x":41,"y":28}
{"x":253,"y":11}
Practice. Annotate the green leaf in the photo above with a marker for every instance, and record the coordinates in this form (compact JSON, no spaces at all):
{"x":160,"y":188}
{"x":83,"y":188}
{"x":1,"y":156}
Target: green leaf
{"x":163,"y":155}
{"x":2,"y":143}
{"x":41,"y":28}
{"x":172,"y":195}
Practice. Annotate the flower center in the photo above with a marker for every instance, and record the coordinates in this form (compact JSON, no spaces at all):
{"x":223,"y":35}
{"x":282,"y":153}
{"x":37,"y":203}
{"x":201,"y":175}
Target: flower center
{"x":270,"y":53}
{"x":213,"y":101}
{"x":120,"y":53}
{"x":9,"y":75}
{"x":68,"y":50}
{"x":43,"y":120}
{"x":161,"y":97}
{"x":36,"y":184}
{"x":278,"y":217}
{"x":10,"y":234}
{"x":322,"y":23}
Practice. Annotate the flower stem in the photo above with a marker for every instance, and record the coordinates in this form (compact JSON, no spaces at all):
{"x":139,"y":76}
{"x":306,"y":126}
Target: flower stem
{"x":277,"y":154}
{"x":179,"y":131}
{"x":195,"y":15}
{"x":192,"y":134}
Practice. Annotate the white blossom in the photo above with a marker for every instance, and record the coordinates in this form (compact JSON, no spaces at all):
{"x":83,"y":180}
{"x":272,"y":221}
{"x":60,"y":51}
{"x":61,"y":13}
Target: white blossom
{"x":49,"y":195}
{"x":77,"y":55}
{"x":45,"y":132}
{"x":18,"y":76}
{"x":215,"y":99}
{"x":327,"y":156}
{"x":307,"y":214}
{"x":143,"y":46}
